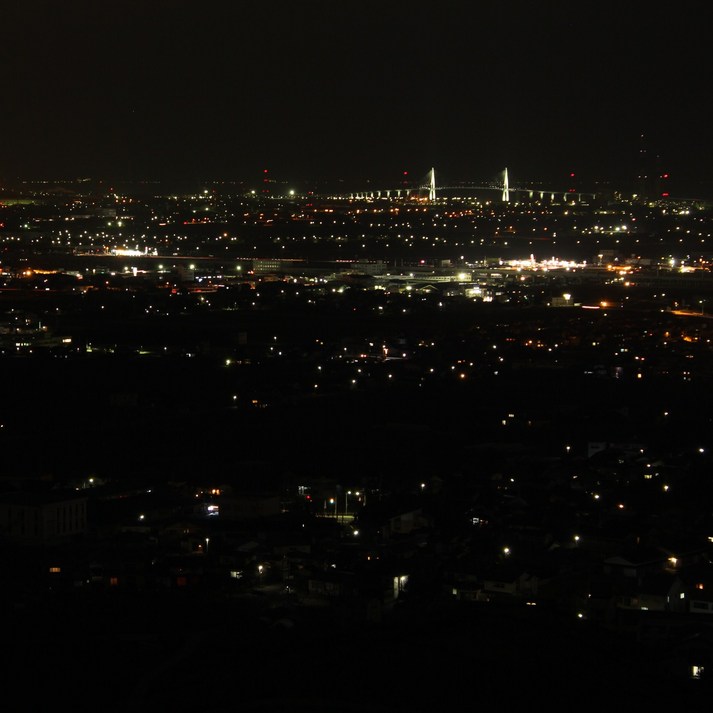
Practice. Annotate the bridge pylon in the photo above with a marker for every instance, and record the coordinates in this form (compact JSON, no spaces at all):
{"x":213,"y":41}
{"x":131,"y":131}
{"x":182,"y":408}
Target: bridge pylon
{"x":506,"y":187}
{"x":432,"y":186}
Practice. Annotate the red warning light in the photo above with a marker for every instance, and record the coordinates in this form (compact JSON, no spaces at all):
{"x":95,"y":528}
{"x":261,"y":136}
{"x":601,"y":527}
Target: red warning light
{"x":664,"y":195}
{"x":571,"y":175}
{"x":665,"y":175}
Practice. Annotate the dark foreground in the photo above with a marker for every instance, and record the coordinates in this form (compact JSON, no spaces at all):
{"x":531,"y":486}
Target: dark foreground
{"x":194,"y":655}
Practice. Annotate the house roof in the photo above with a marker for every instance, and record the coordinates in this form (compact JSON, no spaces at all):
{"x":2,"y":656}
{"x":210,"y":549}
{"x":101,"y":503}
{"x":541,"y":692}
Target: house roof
{"x":41,"y":498}
{"x":653,"y":584}
{"x":699,"y":573}
{"x":637,"y":557}
{"x":505,"y":572}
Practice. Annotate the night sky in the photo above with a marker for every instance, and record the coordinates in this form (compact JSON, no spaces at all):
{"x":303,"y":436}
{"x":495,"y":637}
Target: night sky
{"x":353,"y":90}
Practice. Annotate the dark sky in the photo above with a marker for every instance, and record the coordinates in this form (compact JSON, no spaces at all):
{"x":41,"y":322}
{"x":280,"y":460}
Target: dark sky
{"x":204,"y":89}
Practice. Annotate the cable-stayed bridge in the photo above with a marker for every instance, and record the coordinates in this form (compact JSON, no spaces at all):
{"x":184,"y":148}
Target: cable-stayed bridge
{"x":429,"y":189}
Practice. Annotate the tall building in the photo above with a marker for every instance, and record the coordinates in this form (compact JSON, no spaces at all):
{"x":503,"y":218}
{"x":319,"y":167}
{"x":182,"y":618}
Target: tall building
{"x":42,"y":517}
{"x":651,"y":179}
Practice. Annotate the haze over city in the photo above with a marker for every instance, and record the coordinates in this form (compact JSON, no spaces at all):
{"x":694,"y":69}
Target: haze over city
{"x":328,"y":90}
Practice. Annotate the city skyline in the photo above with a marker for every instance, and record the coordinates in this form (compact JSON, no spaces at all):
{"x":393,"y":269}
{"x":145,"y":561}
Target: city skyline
{"x":323,"y":90}
{"x":258,"y":433}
